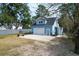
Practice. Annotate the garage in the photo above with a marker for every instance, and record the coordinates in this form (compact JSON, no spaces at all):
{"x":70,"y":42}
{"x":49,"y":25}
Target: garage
{"x":38,"y":31}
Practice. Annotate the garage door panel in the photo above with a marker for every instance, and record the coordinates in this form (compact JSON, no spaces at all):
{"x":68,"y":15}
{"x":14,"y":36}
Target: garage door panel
{"x":39,"y":31}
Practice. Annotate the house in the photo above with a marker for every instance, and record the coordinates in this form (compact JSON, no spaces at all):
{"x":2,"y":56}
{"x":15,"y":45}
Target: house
{"x":19,"y":27}
{"x":47,"y":26}
{"x":3,"y":28}
{"x":13,"y":27}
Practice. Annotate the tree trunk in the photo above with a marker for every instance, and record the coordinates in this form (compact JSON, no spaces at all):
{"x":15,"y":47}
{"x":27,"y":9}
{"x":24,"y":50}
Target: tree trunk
{"x":77,"y":45}
{"x":77,"y":42}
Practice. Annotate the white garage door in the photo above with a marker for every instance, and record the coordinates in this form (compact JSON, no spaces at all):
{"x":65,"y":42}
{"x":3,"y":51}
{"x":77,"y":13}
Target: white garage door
{"x":38,"y":31}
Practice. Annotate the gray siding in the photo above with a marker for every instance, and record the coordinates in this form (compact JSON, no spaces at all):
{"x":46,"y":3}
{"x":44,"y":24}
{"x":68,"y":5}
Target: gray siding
{"x":50,"y":27}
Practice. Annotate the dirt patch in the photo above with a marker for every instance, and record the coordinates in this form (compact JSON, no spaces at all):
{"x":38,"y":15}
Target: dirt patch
{"x":60,"y":47}
{"x":14,"y":46}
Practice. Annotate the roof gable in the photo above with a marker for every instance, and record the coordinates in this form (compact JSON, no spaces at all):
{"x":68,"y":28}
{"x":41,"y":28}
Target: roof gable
{"x":49,"y":21}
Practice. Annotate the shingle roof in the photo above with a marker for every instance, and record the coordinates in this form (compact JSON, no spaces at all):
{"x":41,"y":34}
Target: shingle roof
{"x":50,"y":21}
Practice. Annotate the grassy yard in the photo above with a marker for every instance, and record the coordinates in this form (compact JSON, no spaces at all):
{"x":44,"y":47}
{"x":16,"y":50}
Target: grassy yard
{"x":8,"y":42}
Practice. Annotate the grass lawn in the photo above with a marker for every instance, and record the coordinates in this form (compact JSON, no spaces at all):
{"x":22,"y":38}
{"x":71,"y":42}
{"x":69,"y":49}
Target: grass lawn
{"x":8,"y":42}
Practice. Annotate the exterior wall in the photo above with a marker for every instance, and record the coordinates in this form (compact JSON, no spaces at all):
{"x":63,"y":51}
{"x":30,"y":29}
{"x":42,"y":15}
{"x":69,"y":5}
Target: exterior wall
{"x":60,"y":30}
{"x":50,"y":28}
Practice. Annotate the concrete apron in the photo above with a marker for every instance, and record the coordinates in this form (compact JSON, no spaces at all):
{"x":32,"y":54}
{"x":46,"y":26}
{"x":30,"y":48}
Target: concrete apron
{"x":38,"y":37}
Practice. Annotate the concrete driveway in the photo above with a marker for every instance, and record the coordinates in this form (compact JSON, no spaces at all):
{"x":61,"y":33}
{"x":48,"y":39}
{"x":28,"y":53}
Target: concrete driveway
{"x":38,"y":37}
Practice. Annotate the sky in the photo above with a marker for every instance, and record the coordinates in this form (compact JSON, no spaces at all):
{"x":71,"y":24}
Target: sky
{"x":33,"y":7}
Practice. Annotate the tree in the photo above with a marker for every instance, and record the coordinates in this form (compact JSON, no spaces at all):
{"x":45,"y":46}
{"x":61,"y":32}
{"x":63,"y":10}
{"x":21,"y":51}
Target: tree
{"x":26,"y":19}
{"x":5,"y":15}
{"x":69,"y":20}
{"x":12,"y":13}
{"x":70,"y":17}
{"x":26,"y":23}
{"x":42,"y":11}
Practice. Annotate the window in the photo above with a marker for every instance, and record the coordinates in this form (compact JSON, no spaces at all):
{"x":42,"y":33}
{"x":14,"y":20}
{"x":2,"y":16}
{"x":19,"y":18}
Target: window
{"x":41,"y":22}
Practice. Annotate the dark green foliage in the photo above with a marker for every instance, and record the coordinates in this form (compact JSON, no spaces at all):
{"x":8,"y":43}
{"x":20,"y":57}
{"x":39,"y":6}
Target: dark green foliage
{"x":69,"y":20}
{"x":42,"y":11}
{"x":26,"y":23}
{"x":14,"y":13}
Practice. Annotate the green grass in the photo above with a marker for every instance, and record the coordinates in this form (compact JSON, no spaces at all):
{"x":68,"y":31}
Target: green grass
{"x":8,"y":42}
{"x":5,"y":36}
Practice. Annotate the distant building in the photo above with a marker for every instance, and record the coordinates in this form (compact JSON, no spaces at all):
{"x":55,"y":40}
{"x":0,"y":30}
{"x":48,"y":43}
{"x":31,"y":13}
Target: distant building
{"x":2,"y":28}
{"x":13,"y":27}
{"x":19,"y":27}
